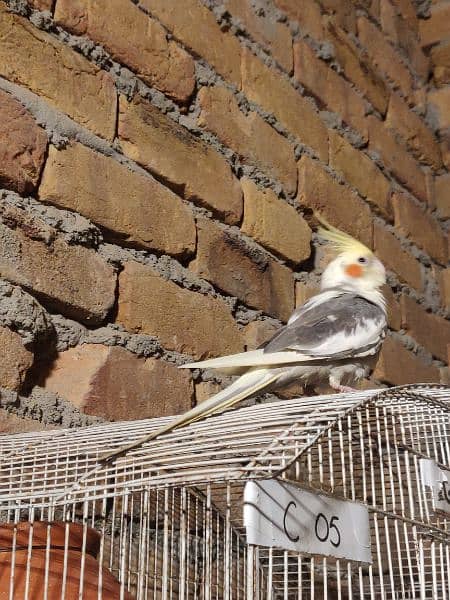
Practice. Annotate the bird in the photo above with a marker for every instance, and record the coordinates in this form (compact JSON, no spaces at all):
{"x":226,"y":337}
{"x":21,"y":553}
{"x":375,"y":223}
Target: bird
{"x":334,"y":337}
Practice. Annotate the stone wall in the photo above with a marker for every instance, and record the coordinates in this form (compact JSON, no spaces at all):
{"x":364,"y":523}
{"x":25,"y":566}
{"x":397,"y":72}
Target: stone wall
{"x":160,"y":161}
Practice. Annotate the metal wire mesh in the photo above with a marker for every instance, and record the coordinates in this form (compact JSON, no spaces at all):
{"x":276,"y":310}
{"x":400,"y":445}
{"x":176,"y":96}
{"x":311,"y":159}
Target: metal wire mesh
{"x":168,"y":515}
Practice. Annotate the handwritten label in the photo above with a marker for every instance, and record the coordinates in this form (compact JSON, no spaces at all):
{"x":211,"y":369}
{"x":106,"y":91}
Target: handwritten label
{"x":281,"y":515}
{"x":439,"y":481}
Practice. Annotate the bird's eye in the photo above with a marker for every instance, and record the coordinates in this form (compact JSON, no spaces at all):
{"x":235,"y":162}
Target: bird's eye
{"x":362,"y":260}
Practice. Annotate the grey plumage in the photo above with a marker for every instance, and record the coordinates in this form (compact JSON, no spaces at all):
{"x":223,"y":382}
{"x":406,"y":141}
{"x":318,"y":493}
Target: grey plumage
{"x":299,"y":351}
{"x":332,"y":338}
{"x":296,"y":353}
{"x":341,"y":314}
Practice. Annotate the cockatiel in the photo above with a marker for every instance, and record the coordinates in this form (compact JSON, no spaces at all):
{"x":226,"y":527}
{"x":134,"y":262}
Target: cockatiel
{"x":332,"y":338}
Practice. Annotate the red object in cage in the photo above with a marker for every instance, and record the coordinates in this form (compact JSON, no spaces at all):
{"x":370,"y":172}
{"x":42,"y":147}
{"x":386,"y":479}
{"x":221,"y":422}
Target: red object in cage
{"x":34,"y":556}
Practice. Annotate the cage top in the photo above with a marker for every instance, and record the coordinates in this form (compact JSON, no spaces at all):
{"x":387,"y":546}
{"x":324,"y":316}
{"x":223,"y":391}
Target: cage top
{"x":262,"y":440}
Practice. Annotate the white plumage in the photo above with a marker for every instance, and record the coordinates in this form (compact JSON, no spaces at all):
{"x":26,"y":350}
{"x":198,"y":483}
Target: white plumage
{"x":332,"y":338}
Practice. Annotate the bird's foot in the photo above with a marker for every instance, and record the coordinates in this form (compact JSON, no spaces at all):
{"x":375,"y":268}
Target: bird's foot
{"x":346,"y":388}
{"x":341,"y":388}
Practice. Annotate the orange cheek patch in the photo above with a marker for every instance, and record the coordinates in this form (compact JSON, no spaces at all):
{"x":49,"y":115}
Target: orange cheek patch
{"x":354,"y":270}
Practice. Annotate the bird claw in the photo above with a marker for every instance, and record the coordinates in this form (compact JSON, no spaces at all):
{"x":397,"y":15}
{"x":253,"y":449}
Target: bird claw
{"x":344,"y":389}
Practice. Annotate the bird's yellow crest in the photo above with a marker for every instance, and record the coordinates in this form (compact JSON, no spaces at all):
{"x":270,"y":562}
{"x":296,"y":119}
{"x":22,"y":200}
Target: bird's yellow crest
{"x":342,"y":242}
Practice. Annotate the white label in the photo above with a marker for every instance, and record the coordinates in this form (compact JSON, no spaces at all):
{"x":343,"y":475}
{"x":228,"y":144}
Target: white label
{"x":281,"y":515}
{"x":439,"y":482}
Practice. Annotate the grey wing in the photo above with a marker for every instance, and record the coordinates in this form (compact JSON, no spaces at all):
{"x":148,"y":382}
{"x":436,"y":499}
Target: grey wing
{"x":342,"y":326}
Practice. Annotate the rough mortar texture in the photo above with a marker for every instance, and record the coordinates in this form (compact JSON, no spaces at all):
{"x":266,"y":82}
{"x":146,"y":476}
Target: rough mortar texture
{"x":159,"y":168}
{"x":70,"y":278}
{"x":22,"y":313}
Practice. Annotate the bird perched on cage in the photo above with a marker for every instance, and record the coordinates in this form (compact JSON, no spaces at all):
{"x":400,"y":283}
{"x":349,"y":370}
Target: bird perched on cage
{"x":333,"y":338}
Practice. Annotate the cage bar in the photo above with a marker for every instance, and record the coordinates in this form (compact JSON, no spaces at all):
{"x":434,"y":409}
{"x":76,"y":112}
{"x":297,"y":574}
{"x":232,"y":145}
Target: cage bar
{"x":165,"y":521}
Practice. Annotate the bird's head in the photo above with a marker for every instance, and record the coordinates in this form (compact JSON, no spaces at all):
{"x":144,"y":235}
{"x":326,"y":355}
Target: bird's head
{"x":355,"y":266}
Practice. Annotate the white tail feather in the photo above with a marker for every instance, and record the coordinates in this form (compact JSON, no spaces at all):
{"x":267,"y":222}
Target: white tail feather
{"x":254,"y":358}
{"x":244,"y":387}
{"x":247,"y":385}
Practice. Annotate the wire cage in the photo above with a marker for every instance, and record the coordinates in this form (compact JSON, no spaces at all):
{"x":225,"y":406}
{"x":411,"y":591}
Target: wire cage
{"x":166,"y":520}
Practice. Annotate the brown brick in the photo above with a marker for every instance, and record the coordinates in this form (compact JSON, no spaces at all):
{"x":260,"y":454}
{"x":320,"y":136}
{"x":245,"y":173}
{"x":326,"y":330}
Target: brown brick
{"x":393,"y":308}
{"x":253,"y":139}
{"x":367,"y":384}
{"x":243,"y":271}
{"x":67,"y":81}
{"x":266,"y":87}
{"x":293,"y":390}
{"x":147,"y":215}
{"x":22,"y":146}
{"x":439,"y":106}
{"x":11,"y":423}
{"x":445,"y":375}
{"x":440,"y":59}
{"x":398,"y":31}
{"x":384,"y":57}
{"x":134,"y":39}
{"x":274,"y":223}
{"x":419,"y":99}
{"x":419,"y":61}
{"x":257,"y":333}
{"x":420,"y":227}
{"x":41,"y":4}
{"x":342,"y":207}
{"x":323,"y":255}
{"x":445,"y":149}
{"x":205,"y":389}
{"x":168,"y":150}
{"x":390,"y":21}
{"x":360,"y":172}
{"x":396,"y":158}
{"x":115,"y":384}
{"x":183,"y":320}
{"x":311,"y":71}
{"x":430,"y":182}
{"x":196,"y":27}
{"x":413,"y":131}
{"x":442,"y":195}
{"x":329,"y":88}
{"x":431,"y":331}
{"x":399,"y":366}
{"x":16,"y":360}
{"x":304,"y":291}
{"x":70,"y":279}
{"x":273,"y":35}
{"x":357,"y":68}
{"x":408,"y":12}
{"x":437,"y":27}
{"x":307,"y":13}
{"x":392,"y":255}
{"x":373,"y":8}
{"x":444,"y":282}
{"x":343,"y":13}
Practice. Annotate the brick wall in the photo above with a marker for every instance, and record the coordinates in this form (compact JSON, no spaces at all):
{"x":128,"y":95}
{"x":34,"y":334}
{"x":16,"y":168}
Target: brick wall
{"x":158,"y":170}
